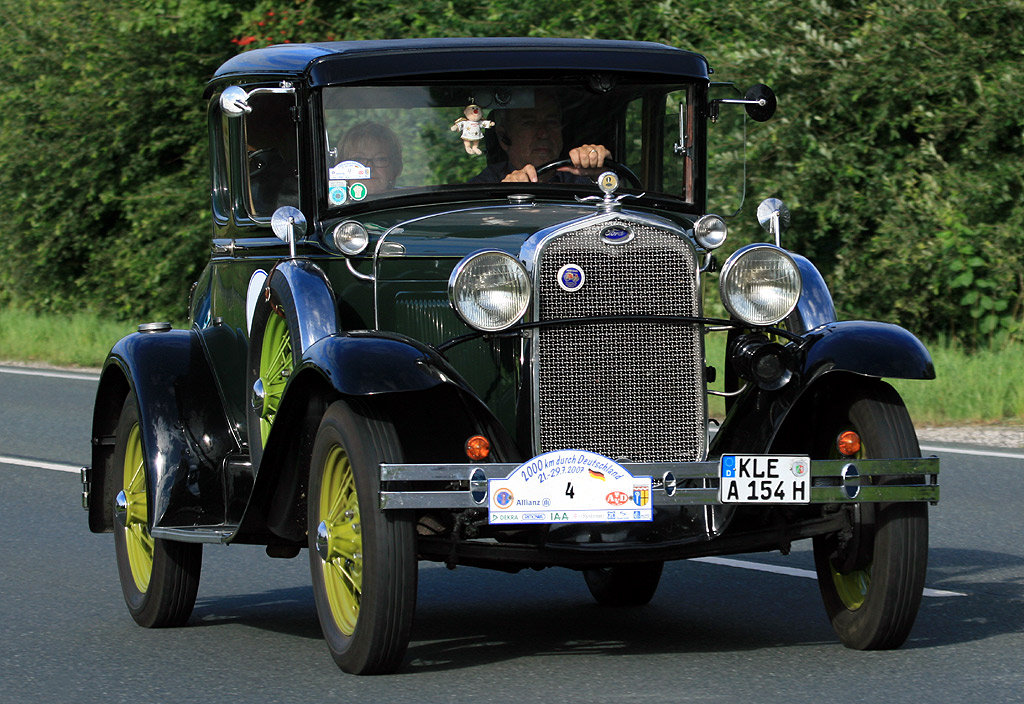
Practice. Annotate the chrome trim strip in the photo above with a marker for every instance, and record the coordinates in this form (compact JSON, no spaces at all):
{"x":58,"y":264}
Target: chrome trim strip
{"x":195,"y":535}
{"x":922,"y":471}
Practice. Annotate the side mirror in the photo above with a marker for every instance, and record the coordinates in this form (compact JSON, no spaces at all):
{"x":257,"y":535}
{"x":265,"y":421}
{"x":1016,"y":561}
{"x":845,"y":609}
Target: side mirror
{"x":288,"y":223}
{"x":760,"y":103}
{"x":773,"y":215}
{"x":234,"y":101}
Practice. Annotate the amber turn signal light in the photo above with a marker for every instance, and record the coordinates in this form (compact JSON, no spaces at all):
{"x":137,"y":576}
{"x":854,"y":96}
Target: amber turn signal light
{"x":848,"y":443}
{"x":477,"y":448}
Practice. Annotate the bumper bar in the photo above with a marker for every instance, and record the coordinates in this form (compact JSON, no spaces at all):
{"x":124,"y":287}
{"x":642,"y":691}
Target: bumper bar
{"x":672,"y":483}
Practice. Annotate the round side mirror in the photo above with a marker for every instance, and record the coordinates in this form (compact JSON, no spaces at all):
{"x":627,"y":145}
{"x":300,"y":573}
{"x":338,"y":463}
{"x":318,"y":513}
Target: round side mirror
{"x":234,"y":101}
{"x":288,"y":223}
{"x":764,"y":103}
{"x":773,"y":216}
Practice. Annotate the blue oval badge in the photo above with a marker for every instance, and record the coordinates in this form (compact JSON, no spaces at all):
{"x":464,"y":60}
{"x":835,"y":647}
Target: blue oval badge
{"x":571,"y":277}
{"x":616,"y":234}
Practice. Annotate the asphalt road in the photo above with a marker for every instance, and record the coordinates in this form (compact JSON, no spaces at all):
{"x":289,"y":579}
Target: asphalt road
{"x":715,"y":632}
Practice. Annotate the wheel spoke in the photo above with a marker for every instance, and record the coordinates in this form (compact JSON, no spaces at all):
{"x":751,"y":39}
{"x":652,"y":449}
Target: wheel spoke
{"x":276,"y":362}
{"x":345,"y":541}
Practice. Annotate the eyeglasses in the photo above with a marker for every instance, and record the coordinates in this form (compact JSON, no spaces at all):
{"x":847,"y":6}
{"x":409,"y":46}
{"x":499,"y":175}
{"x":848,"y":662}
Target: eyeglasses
{"x":380,"y":162}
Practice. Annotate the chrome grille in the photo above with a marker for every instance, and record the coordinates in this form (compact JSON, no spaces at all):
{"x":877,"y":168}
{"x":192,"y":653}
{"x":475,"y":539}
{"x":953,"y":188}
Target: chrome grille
{"x":626,"y":390}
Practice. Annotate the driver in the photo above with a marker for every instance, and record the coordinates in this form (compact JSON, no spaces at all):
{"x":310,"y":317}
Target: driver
{"x":532,"y":137}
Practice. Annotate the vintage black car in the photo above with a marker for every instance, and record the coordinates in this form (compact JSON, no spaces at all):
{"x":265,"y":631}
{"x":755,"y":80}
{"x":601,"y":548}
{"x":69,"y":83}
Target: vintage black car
{"x":399,"y":352}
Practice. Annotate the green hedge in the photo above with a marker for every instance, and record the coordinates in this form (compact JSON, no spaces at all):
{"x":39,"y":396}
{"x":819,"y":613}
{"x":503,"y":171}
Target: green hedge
{"x":897,"y":144}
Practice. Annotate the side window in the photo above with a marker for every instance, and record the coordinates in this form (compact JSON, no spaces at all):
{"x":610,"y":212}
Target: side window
{"x":219,"y":192}
{"x":271,"y":148}
{"x":660,"y":141}
{"x":678,"y":147}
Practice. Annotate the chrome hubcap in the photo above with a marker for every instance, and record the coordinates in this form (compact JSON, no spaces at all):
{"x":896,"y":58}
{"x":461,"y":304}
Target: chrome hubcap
{"x":259,"y":395}
{"x":322,"y":539}
{"x":121,"y":509}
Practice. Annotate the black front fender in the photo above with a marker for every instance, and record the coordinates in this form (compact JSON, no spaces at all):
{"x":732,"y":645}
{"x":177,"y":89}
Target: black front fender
{"x":845,"y":350}
{"x":865,"y":347}
{"x":185,"y":432}
{"x":433,"y":409}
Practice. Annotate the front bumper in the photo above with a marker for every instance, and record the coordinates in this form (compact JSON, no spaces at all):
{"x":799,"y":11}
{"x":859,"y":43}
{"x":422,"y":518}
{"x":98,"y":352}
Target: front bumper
{"x":464,"y":486}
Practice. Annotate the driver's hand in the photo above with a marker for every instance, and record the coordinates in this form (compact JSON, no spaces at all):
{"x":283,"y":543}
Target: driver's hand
{"x":526,"y":174}
{"x":587,"y":157}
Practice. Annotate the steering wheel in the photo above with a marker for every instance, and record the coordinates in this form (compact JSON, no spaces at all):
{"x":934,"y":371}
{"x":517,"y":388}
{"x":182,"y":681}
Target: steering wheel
{"x":608,"y":165}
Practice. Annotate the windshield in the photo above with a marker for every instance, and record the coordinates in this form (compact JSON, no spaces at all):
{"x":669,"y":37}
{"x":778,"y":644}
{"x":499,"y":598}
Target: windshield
{"x":383,"y":140}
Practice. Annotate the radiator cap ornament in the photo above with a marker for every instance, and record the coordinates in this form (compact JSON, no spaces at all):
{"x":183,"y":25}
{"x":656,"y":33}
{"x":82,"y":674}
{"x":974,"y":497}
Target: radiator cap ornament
{"x":608,"y":182}
{"x":571,"y":277}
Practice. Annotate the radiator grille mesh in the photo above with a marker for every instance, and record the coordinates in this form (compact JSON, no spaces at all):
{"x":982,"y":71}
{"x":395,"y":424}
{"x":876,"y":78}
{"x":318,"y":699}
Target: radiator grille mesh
{"x":629,"y":391}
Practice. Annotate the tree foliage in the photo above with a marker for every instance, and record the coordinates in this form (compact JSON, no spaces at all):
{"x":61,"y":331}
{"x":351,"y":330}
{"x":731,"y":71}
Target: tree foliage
{"x":897,"y":144}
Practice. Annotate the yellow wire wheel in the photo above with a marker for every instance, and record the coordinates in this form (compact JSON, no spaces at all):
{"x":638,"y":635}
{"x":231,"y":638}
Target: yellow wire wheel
{"x":339,"y":542}
{"x":159,"y":578}
{"x":276,"y":364}
{"x":871,"y":574}
{"x":138,"y":541}
{"x":362,"y":558}
{"x":851,"y":586}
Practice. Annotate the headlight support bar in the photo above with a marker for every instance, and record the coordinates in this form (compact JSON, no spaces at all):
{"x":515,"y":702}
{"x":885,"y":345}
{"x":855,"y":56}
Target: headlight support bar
{"x":605,"y":319}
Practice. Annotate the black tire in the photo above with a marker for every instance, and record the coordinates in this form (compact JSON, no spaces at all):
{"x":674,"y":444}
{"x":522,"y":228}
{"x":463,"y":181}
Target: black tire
{"x":159,"y":578}
{"x":871,"y":582}
{"x":624,"y":585}
{"x":362,"y":559}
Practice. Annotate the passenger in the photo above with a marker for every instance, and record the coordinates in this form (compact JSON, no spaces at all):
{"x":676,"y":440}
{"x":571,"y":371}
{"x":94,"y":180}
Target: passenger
{"x":377,"y":148}
{"x":532,"y":137}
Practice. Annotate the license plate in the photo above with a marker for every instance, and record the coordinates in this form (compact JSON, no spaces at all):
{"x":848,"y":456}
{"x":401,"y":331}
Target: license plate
{"x":764,"y":479}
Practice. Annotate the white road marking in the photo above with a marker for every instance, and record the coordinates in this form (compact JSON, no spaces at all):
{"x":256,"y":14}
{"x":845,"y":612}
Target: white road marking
{"x":724,"y":561}
{"x":39,"y":464}
{"x":792,"y":571}
{"x":980,"y":453}
{"x":728,"y":562}
{"x":53,"y":374}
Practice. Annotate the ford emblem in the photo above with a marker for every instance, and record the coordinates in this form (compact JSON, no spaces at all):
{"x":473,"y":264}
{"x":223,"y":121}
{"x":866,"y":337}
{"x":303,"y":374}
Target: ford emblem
{"x":616,"y":234}
{"x":571,"y":277}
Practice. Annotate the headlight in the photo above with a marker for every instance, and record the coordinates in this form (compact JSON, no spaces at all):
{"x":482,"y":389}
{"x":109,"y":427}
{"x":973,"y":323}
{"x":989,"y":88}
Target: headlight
{"x":710,"y":231}
{"x":350,"y":237}
{"x":760,"y":284}
{"x":489,"y":290}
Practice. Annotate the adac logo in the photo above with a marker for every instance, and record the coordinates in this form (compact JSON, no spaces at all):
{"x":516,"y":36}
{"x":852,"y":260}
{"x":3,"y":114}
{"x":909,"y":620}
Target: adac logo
{"x":571,"y":277}
{"x":503,"y":498}
{"x":617,"y":498}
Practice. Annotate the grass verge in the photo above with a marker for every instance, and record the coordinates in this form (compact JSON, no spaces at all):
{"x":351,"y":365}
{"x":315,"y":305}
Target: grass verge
{"x":985,"y":386}
{"x":76,"y":340}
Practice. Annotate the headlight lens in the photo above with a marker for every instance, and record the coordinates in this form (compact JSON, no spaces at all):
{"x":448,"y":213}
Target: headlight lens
{"x":710,"y":231}
{"x":350,"y":237}
{"x":760,"y":284}
{"x":489,"y":290}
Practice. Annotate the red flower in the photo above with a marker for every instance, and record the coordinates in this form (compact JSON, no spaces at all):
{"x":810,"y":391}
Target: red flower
{"x":244,"y":41}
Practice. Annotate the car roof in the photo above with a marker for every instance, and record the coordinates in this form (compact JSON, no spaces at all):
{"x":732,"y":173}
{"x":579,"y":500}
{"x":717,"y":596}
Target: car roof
{"x":359,"y":61}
